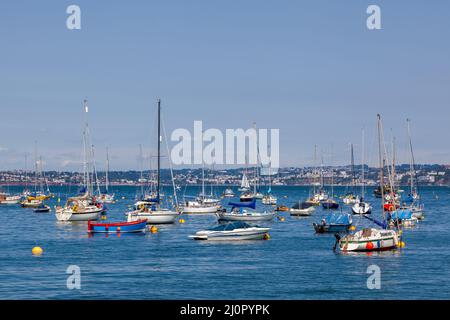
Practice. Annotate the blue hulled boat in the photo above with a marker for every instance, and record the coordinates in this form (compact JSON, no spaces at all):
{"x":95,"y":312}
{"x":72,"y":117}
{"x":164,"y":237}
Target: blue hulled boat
{"x":334,"y":223}
{"x":117,"y":227}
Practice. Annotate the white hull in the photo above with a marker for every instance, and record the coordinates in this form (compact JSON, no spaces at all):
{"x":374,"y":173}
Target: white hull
{"x":232,"y":235}
{"x":360,"y":209}
{"x":302,"y":212}
{"x":246,"y":216}
{"x":69,"y":215}
{"x":10,"y":201}
{"x":154,"y":217}
{"x":200,"y":210}
{"x":377,"y":241}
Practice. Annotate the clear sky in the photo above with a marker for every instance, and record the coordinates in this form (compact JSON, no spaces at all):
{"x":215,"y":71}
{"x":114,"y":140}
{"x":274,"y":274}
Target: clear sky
{"x":310,"y":68}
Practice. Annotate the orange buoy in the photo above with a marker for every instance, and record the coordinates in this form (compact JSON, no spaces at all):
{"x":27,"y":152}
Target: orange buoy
{"x":369,"y":246}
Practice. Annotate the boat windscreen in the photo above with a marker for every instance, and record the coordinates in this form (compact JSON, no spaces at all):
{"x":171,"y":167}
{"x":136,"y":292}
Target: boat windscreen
{"x":231,"y":226}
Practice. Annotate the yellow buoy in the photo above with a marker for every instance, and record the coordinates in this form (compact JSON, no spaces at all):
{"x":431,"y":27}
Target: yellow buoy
{"x":37,"y":251}
{"x":400,"y":232}
{"x":401,"y":244}
{"x":266,"y":236}
{"x":103,"y":217}
{"x":153,"y":229}
{"x":281,"y":219}
{"x":352,"y":228}
{"x":181,"y":221}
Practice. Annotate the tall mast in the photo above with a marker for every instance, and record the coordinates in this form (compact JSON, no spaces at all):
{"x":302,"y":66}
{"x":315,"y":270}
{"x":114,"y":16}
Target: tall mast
{"x":35,"y":167}
{"x":362,"y":165}
{"x":353,"y":169}
{"x":141,"y":165}
{"x":159,"y":150}
{"x":411,"y":159}
{"x":315,"y":169}
{"x":381,"y":163}
{"x":107,"y":171}
{"x":393,"y":163}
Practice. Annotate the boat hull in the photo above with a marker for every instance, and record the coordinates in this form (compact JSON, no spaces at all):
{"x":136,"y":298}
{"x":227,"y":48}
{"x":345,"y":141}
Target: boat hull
{"x":383,"y":240}
{"x":155,"y":217}
{"x":228,"y":216}
{"x":200,"y":210}
{"x":68,"y":215}
{"x":302,"y":212}
{"x":331,"y":228}
{"x":121,"y":227}
{"x":250,"y":234}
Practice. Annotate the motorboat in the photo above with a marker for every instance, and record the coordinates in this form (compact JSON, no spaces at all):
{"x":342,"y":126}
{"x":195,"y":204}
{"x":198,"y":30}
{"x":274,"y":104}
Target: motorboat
{"x":118,"y":227}
{"x":334,"y":223}
{"x":302,"y":209}
{"x":232,"y":231}
{"x":361,"y":207}
{"x":240,"y":212}
{"x":402,"y":218}
{"x":228,"y":193}
{"x":368,"y":239}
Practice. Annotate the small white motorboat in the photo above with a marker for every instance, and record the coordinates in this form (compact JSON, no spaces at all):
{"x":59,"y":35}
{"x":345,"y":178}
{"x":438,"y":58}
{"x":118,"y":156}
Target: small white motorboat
{"x":232,"y":231}
{"x":361,"y":208}
{"x":198,"y":206}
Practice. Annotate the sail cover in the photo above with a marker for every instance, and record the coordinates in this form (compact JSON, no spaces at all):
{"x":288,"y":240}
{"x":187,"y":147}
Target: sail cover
{"x":251,"y":204}
{"x":337,"y":218}
{"x":401,"y":214}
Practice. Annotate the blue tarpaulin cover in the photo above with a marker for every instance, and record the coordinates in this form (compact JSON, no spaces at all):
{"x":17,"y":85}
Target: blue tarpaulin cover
{"x":401,"y":214}
{"x":339,"y":218}
{"x":251,"y":204}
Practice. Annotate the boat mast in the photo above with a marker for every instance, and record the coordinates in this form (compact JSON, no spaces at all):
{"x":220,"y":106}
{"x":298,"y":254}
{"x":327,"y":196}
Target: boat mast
{"x":159,"y":151}
{"x":36,"y":176}
{"x":353,"y":169}
{"x":141,"y":165}
{"x":411,"y":159}
{"x":315,"y":170}
{"x":381,"y":163}
{"x":362,"y":166}
{"x":107,"y":171}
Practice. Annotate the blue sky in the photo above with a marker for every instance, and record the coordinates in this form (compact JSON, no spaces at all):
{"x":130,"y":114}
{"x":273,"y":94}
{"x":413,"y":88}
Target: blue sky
{"x":310,"y":68}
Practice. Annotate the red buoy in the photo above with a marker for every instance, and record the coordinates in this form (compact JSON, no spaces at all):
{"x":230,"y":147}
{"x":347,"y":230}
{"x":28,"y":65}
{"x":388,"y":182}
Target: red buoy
{"x":369,"y":246}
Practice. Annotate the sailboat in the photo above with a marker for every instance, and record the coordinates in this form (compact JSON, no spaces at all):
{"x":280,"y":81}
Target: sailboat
{"x":269,"y":198}
{"x":202,"y":203}
{"x":245,"y":184}
{"x":362,"y":206}
{"x":36,"y":198}
{"x":315,"y":199}
{"x":83,"y":207}
{"x":239,"y":212}
{"x":413,"y":201}
{"x":350,"y":197}
{"x":330,"y":203}
{"x":8,"y":199}
{"x":155,"y":213}
{"x":105,"y":196}
{"x":372,"y":239}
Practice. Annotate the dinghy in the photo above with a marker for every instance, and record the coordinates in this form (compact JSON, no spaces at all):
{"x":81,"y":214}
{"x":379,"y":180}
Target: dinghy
{"x":42,"y":208}
{"x":361,"y":207}
{"x":118,"y":227}
{"x":330,"y":204}
{"x":232,"y":231}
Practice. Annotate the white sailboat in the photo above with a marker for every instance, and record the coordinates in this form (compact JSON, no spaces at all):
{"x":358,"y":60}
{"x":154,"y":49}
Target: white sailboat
{"x":105,"y":196}
{"x":153,"y":212}
{"x":84,"y":207}
{"x":372,"y":239}
{"x":362,"y":206}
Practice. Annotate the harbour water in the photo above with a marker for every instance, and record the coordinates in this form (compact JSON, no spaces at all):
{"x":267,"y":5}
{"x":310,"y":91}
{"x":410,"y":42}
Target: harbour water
{"x":294,"y":264}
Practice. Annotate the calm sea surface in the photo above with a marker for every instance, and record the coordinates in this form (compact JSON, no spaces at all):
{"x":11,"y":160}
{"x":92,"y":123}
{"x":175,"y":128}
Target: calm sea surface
{"x":294,"y":264}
